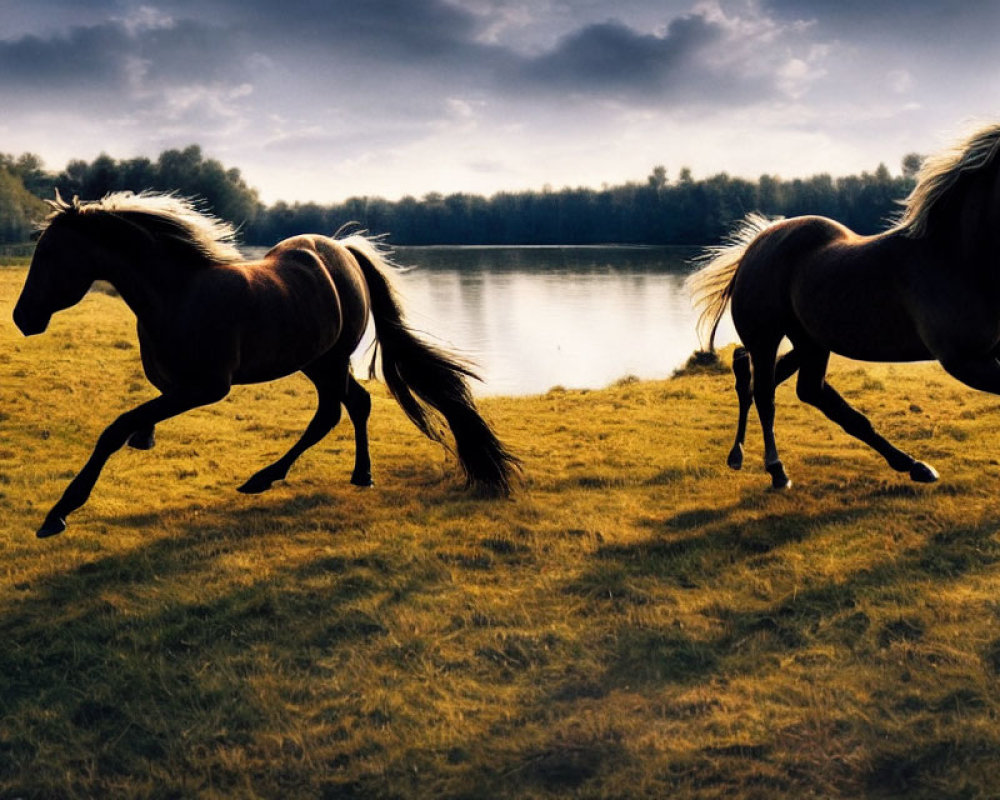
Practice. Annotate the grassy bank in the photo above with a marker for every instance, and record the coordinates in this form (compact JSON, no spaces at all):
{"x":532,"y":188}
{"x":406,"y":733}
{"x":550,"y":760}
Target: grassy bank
{"x":639,"y":621}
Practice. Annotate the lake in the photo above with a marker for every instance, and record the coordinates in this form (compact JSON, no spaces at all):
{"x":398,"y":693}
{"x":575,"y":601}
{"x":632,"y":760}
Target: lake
{"x":536,"y":317}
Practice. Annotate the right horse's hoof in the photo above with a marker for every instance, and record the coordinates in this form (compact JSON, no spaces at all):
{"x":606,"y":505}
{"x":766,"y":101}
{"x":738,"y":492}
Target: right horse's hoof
{"x":735,"y":460}
{"x":364,"y":480}
{"x":254,"y":486}
{"x":779,"y":480}
{"x":923,"y":473}
{"x":53,"y":525}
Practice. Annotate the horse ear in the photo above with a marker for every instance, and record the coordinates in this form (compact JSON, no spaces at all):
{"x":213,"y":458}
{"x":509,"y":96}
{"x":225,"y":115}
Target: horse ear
{"x":58,"y":204}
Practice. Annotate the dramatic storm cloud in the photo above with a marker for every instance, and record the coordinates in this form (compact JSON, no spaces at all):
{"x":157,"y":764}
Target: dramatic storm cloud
{"x":321,"y":100}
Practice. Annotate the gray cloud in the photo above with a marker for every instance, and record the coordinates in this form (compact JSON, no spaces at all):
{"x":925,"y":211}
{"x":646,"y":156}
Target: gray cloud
{"x":112,"y":56}
{"x":402,"y":41}
{"x":503,"y":82}
{"x":387,"y":28}
{"x":612,"y":57}
{"x":87,"y":55}
{"x":919,"y":24}
{"x":402,"y":48}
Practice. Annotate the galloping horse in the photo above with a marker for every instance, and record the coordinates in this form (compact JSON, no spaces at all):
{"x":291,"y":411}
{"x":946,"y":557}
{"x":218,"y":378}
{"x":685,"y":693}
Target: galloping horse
{"x":926,"y":288}
{"x":208,"y":319}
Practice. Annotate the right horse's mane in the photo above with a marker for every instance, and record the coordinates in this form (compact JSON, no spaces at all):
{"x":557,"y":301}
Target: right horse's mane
{"x":940,"y":173}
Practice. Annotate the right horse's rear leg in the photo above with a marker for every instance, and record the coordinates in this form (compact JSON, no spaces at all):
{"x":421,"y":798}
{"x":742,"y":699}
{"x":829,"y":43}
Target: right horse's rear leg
{"x":744,"y":393}
{"x":812,"y":388}
{"x":762,"y":358}
{"x":783,"y":370}
{"x":358,"y":403}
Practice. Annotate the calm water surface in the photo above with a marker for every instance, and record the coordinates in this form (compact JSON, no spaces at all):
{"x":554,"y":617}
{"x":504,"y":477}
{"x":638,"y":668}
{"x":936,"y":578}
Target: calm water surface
{"x":536,"y":317}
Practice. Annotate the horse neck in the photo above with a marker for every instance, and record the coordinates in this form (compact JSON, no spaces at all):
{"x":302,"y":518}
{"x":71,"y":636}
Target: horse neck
{"x":969,"y":225}
{"x":148,"y":282}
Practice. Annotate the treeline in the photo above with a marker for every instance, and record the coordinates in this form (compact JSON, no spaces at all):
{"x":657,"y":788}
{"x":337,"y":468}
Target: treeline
{"x":656,"y":211}
{"x":686,"y":211}
{"x":187,"y":172}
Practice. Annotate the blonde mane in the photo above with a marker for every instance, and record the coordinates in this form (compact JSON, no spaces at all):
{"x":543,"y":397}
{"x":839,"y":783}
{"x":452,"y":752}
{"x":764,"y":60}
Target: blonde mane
{"x":180,"y":218}
{"x":939,"y":174}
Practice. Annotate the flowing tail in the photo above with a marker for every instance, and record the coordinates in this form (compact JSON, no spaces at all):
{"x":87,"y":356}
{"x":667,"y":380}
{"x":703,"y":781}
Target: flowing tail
{"x":422,"y":377}
{"x":711,"y":287}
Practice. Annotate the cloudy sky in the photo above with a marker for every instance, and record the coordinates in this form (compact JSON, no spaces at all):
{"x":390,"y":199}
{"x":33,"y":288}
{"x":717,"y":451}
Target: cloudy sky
{"x":323,"y":99}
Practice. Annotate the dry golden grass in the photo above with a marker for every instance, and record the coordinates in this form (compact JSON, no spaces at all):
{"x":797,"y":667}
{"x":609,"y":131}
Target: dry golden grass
{"x":638,"y":622}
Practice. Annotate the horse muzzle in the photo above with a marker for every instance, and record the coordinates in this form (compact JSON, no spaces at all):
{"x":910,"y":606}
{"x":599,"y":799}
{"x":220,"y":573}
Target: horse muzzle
{"x":30,"y":324}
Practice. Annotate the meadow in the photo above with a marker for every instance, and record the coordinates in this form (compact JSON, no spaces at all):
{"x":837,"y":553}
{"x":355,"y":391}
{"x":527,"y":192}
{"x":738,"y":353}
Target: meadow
{"x":638,"y":621}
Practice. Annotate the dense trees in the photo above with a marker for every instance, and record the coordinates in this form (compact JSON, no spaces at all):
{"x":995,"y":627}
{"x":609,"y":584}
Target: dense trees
{"x":656,"y":211}
{"x":20,"y":206}
{"x":685,"y":211}
{"x":185,"y":171}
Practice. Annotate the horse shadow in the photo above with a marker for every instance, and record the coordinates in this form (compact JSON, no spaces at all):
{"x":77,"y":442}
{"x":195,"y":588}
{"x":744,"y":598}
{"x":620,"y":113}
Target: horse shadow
{"x":104,"y":649}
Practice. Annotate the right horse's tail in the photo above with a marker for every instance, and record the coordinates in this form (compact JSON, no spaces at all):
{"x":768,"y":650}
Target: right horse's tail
{"x":419,"y":375}
{"x":711,"y":287}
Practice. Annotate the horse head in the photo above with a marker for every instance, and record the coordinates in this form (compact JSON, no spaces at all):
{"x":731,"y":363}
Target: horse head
{"x":61,"y":270}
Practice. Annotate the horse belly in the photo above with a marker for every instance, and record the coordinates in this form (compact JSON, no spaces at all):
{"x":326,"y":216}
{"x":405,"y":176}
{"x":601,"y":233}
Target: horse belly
{"x":287,"y":327}
{"x":867,"y":321}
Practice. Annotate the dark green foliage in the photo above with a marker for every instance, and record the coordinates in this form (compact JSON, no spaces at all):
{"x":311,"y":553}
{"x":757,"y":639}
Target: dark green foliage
{"x":19,"y":208}
{"x":659,"y":211}
{"x":186,"y":172}
{"x":686,"y":212}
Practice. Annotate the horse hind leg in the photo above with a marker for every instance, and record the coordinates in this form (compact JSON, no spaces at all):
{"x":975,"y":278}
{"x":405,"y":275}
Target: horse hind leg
{"x":813,"y":389}
{"x":358,"y":403}
{"x":762,"y":358}
{"x":783,"y":370}
{"x":330,"y":380}
{"x":744,"y":394}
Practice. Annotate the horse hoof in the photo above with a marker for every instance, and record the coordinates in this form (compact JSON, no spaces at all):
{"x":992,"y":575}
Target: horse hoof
{"x":923,"y":473}
{"x":254,"y":486}
{"x":364,"y":481}
{"x":735,"y":460}
{"x":53,"y":525}
{"x":779,"y":480}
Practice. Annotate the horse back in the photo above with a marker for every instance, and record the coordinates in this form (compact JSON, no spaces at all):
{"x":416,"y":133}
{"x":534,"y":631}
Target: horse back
{"x":342,"y":270}
{"x":763,"y":284}
{"x":261,"y":320}
{"x":818,"y":281}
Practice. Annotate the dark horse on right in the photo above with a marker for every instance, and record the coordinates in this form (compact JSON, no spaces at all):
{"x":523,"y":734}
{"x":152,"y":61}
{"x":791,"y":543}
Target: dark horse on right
{"x":927,"y":288}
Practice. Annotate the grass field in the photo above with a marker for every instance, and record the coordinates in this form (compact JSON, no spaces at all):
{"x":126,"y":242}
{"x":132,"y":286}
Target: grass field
{"x":637,"y":622}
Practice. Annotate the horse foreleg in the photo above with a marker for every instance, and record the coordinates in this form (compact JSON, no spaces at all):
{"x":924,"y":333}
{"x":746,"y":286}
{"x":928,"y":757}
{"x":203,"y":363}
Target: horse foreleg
{"x":331,"y":386}
{"x":112,"y":439}
{"x":813,"y":389}
{"x":359,"y":406}
{"x":783,"y":370}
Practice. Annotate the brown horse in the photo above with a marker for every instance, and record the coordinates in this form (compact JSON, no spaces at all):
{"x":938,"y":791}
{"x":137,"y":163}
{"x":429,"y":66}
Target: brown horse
{"x":926,"y":288}
{"x":208,"y":319}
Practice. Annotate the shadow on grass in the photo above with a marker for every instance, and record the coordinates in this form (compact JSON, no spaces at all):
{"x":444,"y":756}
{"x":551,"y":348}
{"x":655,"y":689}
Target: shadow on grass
{"x":149,"y":654}
{"x":136,"y":683}
{"x":821,"y":625}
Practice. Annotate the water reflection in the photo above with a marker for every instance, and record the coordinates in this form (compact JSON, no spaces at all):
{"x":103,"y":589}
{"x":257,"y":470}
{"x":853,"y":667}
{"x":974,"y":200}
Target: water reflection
{"x":533,"y":318}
